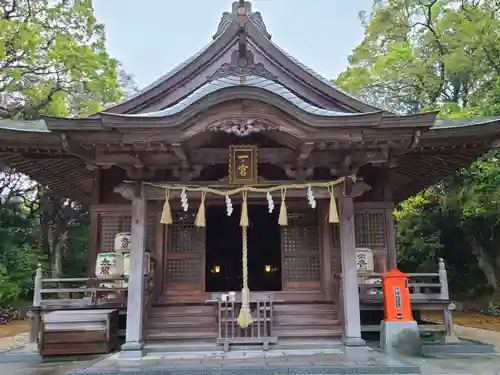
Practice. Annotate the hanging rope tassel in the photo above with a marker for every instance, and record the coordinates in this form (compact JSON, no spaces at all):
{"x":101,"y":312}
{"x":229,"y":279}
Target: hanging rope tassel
{"x":166,"y":214}
{"x":283,"y":218}
{"x":333,"y":215}
{"x":245,"y":316}
{"x":200,"y":221}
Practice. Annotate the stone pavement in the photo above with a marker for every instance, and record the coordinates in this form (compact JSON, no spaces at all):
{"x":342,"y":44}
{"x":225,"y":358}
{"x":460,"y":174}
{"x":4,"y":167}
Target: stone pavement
{"x":304,"y":361}
{"x":480,"y":335}
{"x":19,"y":368}
{"x":456,"y":365}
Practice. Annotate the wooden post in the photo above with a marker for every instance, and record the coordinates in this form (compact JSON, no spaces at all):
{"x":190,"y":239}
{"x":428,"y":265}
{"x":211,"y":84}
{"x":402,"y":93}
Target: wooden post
{"x":444,"y":295}
{"x":391,"y":239}
{"x":133,"y":347}
{"x":325,"y":231}
{"x":353,"y":342}
{"x":35,"y":309}
{"x":443,"y":280}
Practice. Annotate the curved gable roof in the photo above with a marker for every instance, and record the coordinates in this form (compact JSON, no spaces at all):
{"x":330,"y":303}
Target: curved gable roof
{"x":236,"y":81}
{"x":227,"y":32}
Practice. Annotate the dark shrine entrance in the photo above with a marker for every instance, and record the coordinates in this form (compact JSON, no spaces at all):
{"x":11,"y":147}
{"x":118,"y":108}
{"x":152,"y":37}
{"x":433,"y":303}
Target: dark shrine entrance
{"x":224,"y":250}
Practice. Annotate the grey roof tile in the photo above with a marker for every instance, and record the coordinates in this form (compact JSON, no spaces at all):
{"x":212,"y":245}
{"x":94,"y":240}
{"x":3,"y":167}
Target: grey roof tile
{"x":448,"y":123}
{"x":234,"y":81}
{"x":36,"y":126}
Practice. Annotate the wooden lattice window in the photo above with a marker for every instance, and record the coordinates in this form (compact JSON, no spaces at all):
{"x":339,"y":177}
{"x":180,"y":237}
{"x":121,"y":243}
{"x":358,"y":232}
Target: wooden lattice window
{"x":300,"y":241}
{"x":370,"y":230}
{"x":185,"y":253}
{"x":181,"y":232}
{"x":110,"y":225}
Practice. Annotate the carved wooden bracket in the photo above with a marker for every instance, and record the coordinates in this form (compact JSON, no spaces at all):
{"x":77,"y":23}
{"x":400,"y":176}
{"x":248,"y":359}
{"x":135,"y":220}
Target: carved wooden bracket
{"x":188,"y":173}
{"x":242,"y":127}
{"x":75,"y":149}
{"x":242,"y":66}
{"x":298,"y":173}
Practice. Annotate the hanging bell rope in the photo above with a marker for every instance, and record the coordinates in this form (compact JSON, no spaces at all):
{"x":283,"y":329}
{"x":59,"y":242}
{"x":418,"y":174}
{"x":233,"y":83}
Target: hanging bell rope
{"x":283,"y":218}
{"x":166,"y":214}
{"x":200,"y":221}
{"x":245,"y":317}
{"x":333,"y":215}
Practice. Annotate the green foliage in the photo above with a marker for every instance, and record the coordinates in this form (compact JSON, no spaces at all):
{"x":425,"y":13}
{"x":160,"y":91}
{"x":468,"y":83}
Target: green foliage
{"x":427,"y":54}
{"x":9,"y":290}
{"x":53,"y":59}
{"x":439,"y":55}
{"x":417,"y":236}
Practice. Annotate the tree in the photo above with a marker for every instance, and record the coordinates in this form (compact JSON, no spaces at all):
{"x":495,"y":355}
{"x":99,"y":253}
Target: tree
{"x":427,"y":54}
{"x":53,"y":59}
{"x":420,"y":55}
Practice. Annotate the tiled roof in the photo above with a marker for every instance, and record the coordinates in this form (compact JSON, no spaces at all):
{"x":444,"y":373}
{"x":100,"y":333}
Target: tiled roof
{"x":35,"y":126}
{"x":447,"y":123}
{"x":235,"y":81}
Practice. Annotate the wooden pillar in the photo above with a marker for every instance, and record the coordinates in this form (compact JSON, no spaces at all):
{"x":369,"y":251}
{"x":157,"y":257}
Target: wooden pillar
{"x":325,"y":231}
{"x":391,"y":239}
{"x":133,"y":347}
{"x":353,"y":342}
{"x":93,"y":249}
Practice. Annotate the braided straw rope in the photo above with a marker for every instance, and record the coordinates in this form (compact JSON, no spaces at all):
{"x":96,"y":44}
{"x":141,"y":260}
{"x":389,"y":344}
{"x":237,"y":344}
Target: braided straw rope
{"x":245,"y":317}
{"x":250,"y":188}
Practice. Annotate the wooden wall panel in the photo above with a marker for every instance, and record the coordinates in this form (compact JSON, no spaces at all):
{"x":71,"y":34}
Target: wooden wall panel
{"x":370,"y":220}
{"x":112,"y":219}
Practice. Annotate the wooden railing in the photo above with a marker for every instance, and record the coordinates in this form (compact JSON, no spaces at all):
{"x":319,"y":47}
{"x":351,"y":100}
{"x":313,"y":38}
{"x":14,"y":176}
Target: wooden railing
{"x":90,"y":294}
{"x":423,"y":286}
{"x":260,"y":332}
{"x":428,"y":291}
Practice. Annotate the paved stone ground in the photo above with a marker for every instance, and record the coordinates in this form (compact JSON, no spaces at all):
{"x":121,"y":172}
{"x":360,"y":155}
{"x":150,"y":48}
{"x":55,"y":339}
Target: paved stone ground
{"x":327,"y":361}
{"x":480,"y":335}
{"x":448,"y":364}
{"x":18,"y":368}
{"x":456,"y":365}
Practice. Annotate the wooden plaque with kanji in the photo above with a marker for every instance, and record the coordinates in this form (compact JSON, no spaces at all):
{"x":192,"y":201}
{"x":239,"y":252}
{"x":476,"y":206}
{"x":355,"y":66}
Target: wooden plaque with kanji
{"x":243,"y":164}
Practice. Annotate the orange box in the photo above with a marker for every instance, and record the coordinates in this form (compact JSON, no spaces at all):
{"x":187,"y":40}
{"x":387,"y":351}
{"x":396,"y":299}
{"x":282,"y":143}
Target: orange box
{"x":397,"y":306}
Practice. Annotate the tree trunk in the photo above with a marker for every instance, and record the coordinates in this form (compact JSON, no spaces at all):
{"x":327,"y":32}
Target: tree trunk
{"x":489,"y":266}
{"x":57,"y":248}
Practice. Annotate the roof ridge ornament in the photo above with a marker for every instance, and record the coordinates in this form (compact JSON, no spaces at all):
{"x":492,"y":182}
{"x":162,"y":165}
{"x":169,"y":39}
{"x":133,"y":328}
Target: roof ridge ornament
{"x":242,"y":66}
{"x":239,"y":12}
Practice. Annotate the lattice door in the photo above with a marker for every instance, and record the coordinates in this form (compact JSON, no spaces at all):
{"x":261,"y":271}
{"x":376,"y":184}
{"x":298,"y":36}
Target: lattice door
{"x":301,"y":258}
{"x":185,"y":254}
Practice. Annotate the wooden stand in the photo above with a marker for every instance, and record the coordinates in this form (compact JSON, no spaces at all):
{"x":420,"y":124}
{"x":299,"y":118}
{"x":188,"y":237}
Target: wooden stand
{"x":78,"y":332}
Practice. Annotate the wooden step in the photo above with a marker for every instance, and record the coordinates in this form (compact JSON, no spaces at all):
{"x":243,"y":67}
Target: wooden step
{"x":185,"y":311}
{"x":280,"y":320}
{"x":181,"y":324}
{"x":182,"y":335}
{"x":178,"y":321}
{"x":304,"y":309}
{"x":303,"y":332}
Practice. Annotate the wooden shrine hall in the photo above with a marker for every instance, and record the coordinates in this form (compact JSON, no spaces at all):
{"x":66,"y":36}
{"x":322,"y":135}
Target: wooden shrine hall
{"x":259,"y":190}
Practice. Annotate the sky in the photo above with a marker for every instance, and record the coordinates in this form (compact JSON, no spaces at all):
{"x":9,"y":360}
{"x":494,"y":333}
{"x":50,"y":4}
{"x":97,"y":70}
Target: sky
{"x":150,"y":37}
